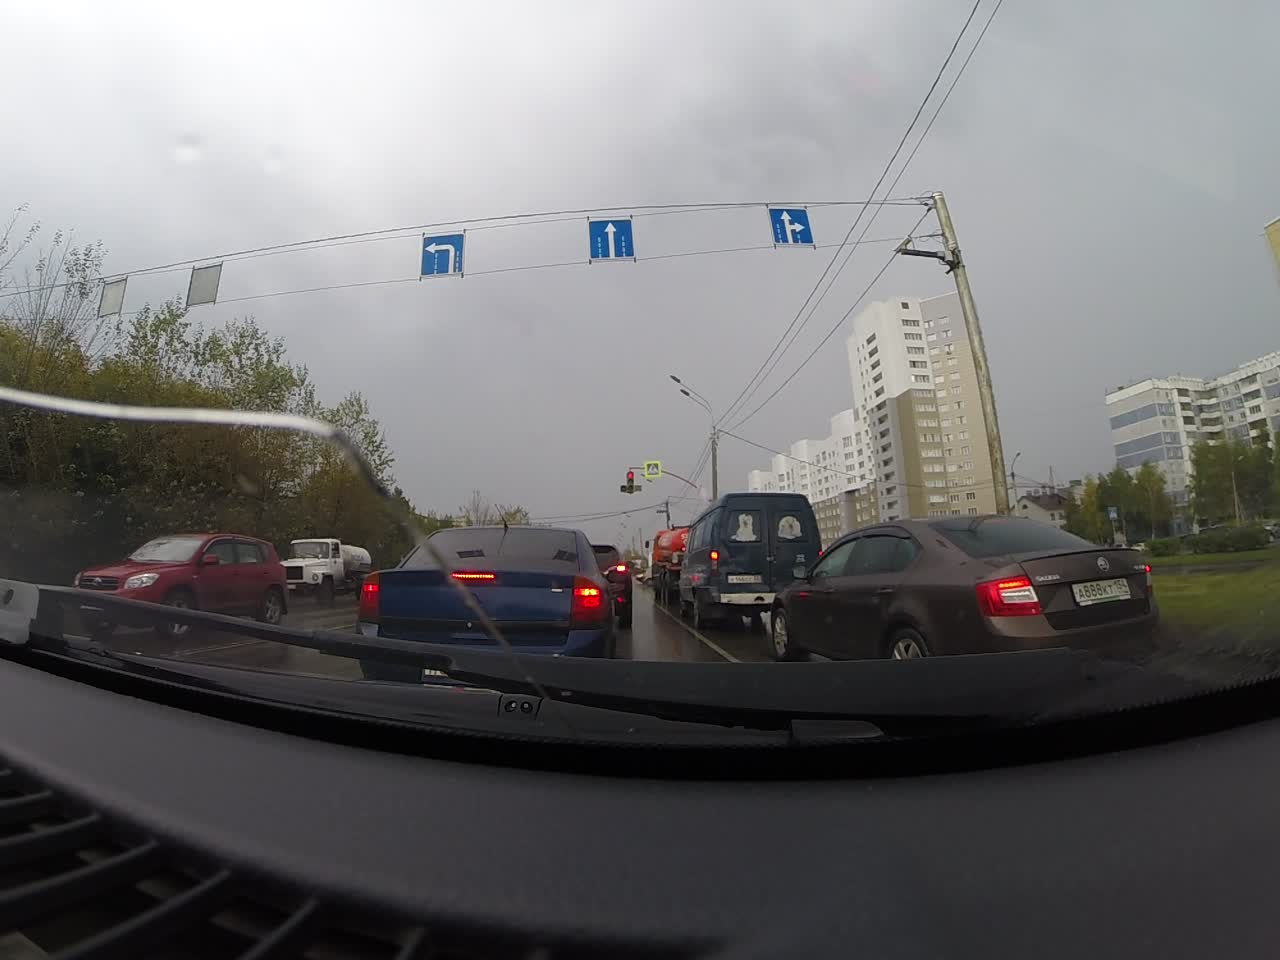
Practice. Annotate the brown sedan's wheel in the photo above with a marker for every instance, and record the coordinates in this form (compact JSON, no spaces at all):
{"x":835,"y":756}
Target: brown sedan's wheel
{"x":783,"y":647}
{"x":907,"y":644}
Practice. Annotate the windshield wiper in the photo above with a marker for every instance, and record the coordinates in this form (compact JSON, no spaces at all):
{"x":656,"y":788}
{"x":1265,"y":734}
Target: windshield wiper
{"x":952,"y":693}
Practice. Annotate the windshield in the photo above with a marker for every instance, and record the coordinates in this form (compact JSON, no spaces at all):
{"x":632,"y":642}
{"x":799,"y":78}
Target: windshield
{"x":978,"y":302}
{"x":168,"y":550}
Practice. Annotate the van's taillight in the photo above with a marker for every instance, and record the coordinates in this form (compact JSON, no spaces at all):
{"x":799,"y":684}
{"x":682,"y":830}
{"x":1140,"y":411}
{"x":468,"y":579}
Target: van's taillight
{"x":621,"y":568}
{"x":715,"y":560}
{"x":1150,"y":585}
{"x":589,"y":606}
{"x":473,"y":575}
{"x":369,"y":599}
{"x":1014,"y":597}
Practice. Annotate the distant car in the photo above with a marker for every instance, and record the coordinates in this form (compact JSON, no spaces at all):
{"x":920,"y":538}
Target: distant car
{"x":541,"y":586}
{"x":618,"y":573}
{"x":217,"y":572}
{"x":917,"y":588}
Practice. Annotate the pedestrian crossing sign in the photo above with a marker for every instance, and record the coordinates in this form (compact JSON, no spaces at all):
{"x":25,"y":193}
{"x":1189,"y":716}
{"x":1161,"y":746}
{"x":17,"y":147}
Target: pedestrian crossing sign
{"x":653,"y":469}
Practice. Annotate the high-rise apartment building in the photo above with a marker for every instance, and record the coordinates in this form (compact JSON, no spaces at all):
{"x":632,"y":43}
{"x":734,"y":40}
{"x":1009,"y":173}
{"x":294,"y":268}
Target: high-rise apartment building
{"x":914,"y":443}
{"x":1159,"y":419}
{"x":916,"y":385}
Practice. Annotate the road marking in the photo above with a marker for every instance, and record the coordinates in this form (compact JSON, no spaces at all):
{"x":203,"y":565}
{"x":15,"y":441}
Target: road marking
{"x":710,"y":643}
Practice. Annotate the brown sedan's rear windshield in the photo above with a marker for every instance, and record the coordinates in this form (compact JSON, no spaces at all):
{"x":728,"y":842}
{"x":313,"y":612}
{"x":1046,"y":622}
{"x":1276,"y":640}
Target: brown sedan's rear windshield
{"x":1000,"y":536}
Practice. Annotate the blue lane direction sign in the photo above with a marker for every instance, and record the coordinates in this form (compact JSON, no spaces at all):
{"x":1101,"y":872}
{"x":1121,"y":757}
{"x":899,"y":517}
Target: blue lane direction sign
{"x":791,"y":225}
{"x":442,"y":255}
{"x":611,"y":239}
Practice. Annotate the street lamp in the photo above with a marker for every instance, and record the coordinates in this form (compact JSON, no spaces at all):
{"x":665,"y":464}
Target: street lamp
{"x":703,"y":402}
{"x":1013,"y":479}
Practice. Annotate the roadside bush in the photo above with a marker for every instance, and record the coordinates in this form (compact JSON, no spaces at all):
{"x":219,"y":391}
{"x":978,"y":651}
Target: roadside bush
{"x":1252,"y":537}
{"x":1164,"y":546}
{"x":1211,"y":541}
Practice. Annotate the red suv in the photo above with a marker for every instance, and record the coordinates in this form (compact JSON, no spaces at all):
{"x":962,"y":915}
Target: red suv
{"x":218,"y":572}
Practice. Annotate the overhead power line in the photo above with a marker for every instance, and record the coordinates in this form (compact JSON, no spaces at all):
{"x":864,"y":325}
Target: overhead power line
{"x":583,"y":518}
{"x":471,"y":223}
{"x":845,"y":473}
{"x":758,"y":377}
{"x":830,"y":333}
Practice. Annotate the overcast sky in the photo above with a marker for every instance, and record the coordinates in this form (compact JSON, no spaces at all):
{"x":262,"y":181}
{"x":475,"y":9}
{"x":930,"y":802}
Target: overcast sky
{"x":1109,"y":167}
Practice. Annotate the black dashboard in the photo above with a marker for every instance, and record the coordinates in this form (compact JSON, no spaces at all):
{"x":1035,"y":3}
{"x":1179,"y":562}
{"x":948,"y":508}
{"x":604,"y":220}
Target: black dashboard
{"x":1164,"y":850}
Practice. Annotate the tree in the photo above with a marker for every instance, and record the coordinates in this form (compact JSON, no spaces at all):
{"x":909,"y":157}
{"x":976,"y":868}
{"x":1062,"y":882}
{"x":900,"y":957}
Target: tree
{"x":1152,"y":506}
{"x":479,"y":512}
{"x":1211,"y":467}
{"x":1088,"y":518}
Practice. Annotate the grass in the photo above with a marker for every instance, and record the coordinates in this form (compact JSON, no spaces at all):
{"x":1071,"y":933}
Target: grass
{"x":1233,"y":612}
{"x":1209,"y":559}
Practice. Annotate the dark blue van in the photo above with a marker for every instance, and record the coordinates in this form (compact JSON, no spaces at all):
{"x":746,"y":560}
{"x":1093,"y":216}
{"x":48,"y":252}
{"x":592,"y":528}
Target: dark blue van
{"x":742,"y":551}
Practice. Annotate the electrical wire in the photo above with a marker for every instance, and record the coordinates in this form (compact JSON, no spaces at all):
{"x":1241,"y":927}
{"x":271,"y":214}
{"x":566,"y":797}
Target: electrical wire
{"x":830,"y":333}
{"x":583,"y":518}
{"x":472,"y":223}
{"x":730,"y":411}
{"x":893,"y":483}
{"x":470,"y":273}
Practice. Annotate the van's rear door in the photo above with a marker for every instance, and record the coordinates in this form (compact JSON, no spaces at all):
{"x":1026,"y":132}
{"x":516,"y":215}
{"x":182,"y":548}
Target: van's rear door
{"x":742,"y":540}
{"x":793,"y":539}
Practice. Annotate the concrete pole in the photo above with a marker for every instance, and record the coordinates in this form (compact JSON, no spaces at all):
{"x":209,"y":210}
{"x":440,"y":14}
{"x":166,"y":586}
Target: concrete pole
{"x":976,"y":346}
{"x":715,"y":464}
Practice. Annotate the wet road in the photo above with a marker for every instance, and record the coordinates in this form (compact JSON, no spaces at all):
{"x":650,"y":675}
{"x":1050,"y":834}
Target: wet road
{"x":656,"y":634}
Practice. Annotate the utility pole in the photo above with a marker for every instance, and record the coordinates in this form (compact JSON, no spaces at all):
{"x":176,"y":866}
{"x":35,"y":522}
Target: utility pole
{"x":715,"y":464}
{"x":1235,"y":496}
{"x":976,"y":346}
{"x":986,"y":394}
{"x":666,"y":508}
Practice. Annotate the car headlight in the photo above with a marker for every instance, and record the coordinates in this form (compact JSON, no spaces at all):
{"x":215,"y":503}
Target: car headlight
{"x":141,"y":580}
{"x":315,"y":578}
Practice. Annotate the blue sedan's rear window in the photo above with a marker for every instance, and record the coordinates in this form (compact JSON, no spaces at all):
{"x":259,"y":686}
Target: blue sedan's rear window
{"x":467,"y":545}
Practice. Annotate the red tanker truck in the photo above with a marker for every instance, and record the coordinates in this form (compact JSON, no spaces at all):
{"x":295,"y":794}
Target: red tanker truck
{"x":664,"y":568}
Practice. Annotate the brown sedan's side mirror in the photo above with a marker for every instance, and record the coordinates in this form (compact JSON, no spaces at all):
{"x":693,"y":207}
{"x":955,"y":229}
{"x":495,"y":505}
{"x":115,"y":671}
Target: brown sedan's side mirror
{"x":800,"y":572}
{"x":210,"y":560}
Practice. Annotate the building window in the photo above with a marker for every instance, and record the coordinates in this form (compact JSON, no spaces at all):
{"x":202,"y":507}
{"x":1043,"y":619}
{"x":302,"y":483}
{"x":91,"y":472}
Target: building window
{"x":931,"y":337}
{"x":964,"y":450}
{"x":917,"y":351}
{"x":1256,"y":408}
{"x":955,"y":498}
{"x":955,"y":376}
{"x":957,"y":389}
{"x":961,"y":420}
{"x":944,"y":321}
{"x":877,"y":378}
{"x":928,"y":324}
{"x":905,"y":305}
{"x":941,"y":393}
{"x":952,"y":361}
{"x":939,"y":379}
{"x":963,"y":434}
{"x":973,"y":511}
{"x":913,"y":336}
{"x":918,"y":364}
{"x":876,"y":365}
{"x":910,"y":323}
{"x":971,"y":495}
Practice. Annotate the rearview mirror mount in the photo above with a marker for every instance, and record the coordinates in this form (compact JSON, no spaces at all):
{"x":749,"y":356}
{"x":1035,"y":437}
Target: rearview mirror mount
{"x":800,"y":572}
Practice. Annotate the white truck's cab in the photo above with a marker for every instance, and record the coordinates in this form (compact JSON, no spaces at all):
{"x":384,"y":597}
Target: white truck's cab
{"x":325,"y":566}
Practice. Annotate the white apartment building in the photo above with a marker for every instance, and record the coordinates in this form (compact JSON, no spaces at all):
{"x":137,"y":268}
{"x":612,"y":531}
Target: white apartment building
{"x":914,"y":438}
{"x":1159,"y":419}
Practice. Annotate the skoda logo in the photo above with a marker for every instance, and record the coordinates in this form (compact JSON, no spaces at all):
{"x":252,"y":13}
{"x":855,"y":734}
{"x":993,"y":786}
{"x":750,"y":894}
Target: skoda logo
{"x":1103,"y":565}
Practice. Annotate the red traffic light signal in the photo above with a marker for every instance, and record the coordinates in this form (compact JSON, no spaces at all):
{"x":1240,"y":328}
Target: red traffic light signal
{"x":631,"y":476}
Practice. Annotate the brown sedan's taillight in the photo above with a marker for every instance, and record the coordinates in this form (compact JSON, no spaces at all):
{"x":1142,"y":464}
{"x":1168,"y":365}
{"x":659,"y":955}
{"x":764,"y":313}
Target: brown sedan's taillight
{"x":1010,"y":597}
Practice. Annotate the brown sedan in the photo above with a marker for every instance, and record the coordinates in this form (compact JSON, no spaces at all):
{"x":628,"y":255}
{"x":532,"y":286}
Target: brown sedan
{"x":917,"y":588}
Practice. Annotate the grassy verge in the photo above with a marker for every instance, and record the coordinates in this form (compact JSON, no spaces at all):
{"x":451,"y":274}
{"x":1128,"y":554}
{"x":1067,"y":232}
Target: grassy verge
{"x":1209,"y":559}
{"x":1234,"y":612}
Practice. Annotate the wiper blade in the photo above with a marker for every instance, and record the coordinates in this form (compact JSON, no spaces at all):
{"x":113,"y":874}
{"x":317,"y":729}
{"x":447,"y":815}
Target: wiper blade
{"x":956,"y":693}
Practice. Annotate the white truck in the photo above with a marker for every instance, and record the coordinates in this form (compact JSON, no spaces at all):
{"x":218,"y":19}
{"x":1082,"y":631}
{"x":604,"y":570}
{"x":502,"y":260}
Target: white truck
{"x":323,"y":567}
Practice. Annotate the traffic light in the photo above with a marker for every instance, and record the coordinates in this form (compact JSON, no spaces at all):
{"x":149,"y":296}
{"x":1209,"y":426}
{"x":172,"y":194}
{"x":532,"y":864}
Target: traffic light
{"x":630,"y":486}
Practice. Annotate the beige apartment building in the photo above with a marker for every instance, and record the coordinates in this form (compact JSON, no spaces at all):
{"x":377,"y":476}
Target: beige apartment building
{"x":914,"y":443}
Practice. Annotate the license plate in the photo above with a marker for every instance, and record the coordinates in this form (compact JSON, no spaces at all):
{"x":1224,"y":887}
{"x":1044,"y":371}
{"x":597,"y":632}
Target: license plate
{"x":1100,"y":591}
{"x":744,"y":578}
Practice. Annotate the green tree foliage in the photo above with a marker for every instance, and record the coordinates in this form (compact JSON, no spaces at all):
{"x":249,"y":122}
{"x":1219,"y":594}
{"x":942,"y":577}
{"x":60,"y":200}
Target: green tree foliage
{"x":1142,"y":499}
{"x":77,"y":491}
{"x":1231,"y":470}
{"x":1087,"y":517}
